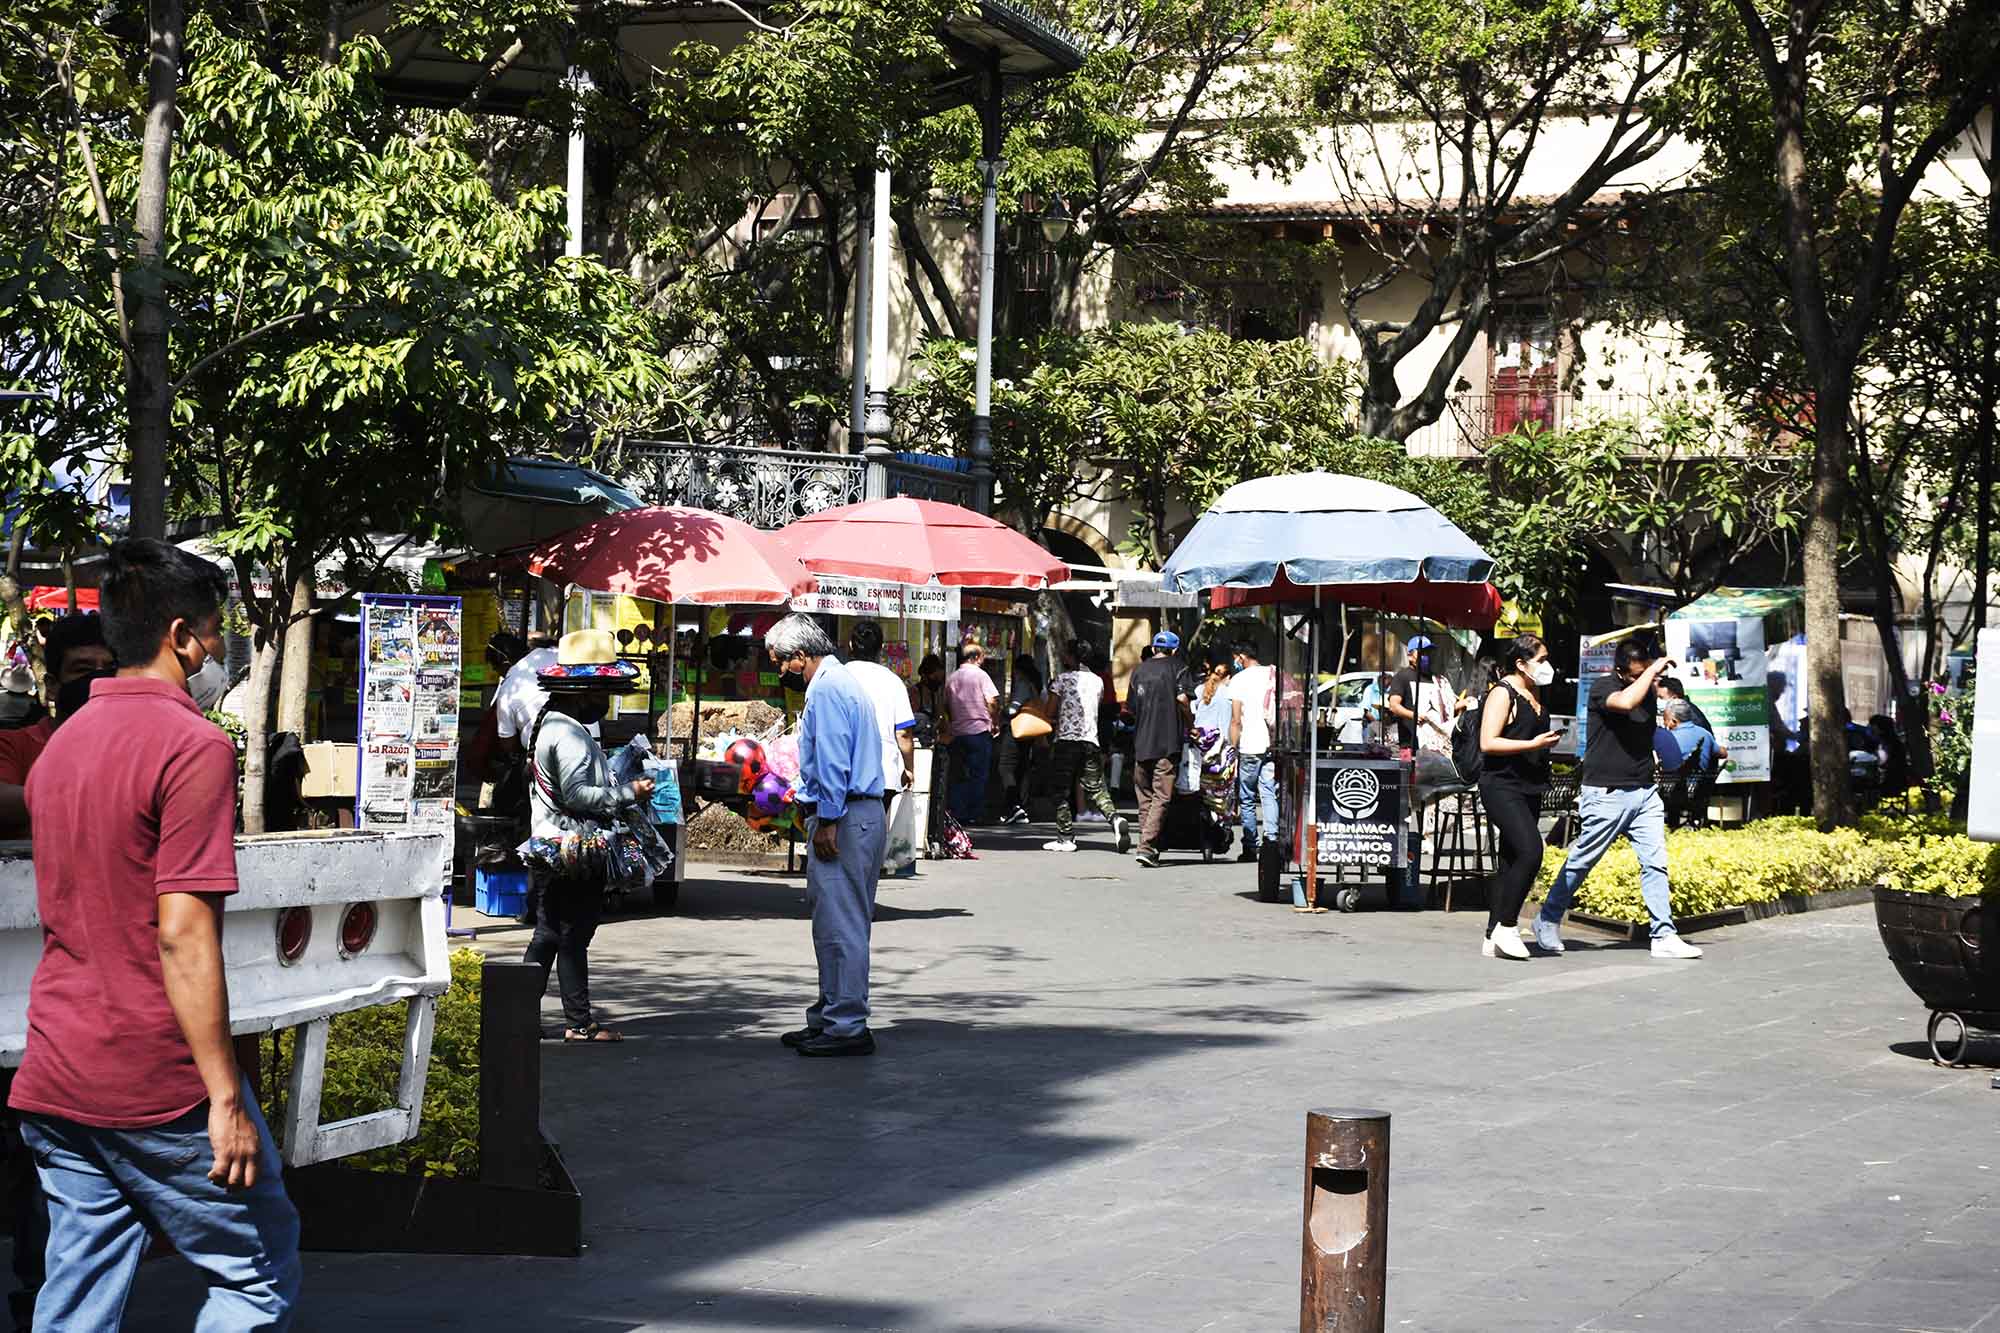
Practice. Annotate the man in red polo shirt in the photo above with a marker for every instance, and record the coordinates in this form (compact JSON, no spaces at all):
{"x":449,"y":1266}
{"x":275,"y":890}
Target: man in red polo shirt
{"x":72,"y":650}
{"x":129,"y":1093}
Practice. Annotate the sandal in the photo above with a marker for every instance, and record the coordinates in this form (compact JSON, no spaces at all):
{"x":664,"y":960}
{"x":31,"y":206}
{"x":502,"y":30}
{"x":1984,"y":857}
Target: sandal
{"x":595,"y":1032}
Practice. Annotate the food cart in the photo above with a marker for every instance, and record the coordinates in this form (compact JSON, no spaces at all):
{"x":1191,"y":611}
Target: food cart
{"x":1310,"y":544}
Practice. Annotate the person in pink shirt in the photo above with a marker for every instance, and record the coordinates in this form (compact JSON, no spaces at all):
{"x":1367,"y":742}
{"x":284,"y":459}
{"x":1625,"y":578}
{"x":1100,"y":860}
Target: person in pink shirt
{"x":974,"y":703}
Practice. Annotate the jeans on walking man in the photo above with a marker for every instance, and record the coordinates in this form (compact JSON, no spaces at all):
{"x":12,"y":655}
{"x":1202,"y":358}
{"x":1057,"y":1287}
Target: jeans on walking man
{"x":1159,"y":695}
{"x":1619,"y":798}
{"x":129,"y":1093}
{"x":841,"y":780}
{"x":1253,"y":703}
{"x":1079,"y":692}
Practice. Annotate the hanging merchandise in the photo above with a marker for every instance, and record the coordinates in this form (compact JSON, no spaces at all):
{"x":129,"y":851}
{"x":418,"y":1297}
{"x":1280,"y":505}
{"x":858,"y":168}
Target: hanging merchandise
{"x":411,"y":664}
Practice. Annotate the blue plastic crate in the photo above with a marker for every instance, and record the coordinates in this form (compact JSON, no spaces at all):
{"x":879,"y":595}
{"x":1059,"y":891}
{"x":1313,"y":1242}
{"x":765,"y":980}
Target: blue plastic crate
{"x":500,"y":892}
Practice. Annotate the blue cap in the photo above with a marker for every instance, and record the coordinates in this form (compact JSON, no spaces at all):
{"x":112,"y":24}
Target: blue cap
{"x":1167,"y":640}
{"x":1417,"y":644}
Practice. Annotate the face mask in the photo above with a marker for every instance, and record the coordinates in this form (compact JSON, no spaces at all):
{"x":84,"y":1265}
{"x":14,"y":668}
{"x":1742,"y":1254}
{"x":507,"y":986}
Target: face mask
{"x":208,"y":685}
{"x":76,"y":694}
{"x":1542,"y":673}
{"x":1424,"y":663}
{"x":795,"y":681}
{"x":592,"y":710}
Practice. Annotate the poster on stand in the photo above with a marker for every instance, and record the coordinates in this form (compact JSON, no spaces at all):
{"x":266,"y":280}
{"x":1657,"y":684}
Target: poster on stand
{"x":1359,"y":809}
{"x":412,"y":669}
{"x":1596,"y":659}
{"x":1722,"y":643}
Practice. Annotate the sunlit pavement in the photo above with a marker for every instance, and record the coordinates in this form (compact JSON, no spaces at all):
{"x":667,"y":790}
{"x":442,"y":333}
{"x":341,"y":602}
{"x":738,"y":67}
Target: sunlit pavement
{"x":1087,"y":1112}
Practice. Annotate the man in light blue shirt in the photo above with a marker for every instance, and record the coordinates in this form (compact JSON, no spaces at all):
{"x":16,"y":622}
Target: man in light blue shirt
{"x":841,"y":777}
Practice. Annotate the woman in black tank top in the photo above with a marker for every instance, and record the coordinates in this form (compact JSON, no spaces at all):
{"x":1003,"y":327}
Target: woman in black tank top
{"x":1515,"y":738}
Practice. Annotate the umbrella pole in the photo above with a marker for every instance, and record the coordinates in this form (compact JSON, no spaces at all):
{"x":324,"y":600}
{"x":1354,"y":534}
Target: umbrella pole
{"x":1312,"y":757}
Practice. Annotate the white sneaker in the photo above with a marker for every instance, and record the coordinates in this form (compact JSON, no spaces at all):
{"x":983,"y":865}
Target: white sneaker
{"x":1123,"y":832}
{"x":1504,"y":942}
{"x":1060,"y":845}
{"x":1671,"y":945}
{"x":1548,"y":937}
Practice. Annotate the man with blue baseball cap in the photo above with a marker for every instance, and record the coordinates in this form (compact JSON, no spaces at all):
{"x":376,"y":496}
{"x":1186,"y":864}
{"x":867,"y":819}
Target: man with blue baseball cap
{"x":1159,"y":701}
{"x":1404,"y":688}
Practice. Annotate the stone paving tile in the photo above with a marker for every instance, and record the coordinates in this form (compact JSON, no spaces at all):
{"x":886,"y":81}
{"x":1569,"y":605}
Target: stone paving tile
{"x":1087,"y":1114}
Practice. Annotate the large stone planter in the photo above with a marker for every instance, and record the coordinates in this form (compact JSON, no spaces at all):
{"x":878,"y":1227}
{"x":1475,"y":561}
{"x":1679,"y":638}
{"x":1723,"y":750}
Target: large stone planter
{"x":1946,"y":952}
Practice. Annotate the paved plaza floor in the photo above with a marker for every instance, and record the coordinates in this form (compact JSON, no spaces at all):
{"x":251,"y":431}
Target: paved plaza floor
{"x":1088,"y":1113}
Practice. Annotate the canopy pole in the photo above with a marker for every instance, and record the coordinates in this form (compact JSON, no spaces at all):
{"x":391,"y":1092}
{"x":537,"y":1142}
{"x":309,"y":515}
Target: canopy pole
{"x":1311,"y":839}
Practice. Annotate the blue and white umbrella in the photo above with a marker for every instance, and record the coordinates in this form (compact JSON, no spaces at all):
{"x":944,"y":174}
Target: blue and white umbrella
{"x":1321,"y":529}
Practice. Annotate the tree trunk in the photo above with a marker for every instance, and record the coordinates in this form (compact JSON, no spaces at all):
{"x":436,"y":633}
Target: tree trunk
{"x":297,"y":661}
{"x":13,"y":601}
{"x":1832,"y":803}
{"x":147,"y":396}
{"x":257,"y":726}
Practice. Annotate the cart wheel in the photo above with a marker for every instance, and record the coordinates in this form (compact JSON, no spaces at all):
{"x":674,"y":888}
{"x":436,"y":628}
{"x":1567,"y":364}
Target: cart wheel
{"x":1957,"y":1045}
{"x":666,"y":896}
{"x":1348,"y":900}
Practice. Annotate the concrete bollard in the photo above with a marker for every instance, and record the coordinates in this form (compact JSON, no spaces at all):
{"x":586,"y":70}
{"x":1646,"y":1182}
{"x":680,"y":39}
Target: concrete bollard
{"x":1346,"y":1265}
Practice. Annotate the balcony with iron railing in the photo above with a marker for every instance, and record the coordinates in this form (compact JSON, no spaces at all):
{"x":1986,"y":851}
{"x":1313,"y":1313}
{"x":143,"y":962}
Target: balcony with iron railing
{"x":768,"y":488}
{"x":1471,"y":421}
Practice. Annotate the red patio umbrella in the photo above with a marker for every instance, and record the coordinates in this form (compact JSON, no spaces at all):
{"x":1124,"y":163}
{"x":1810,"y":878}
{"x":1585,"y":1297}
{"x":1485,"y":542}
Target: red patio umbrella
{"x":1468,"y":605}
{"x":669,"y":554}
{"x":57,"y":599}
{"x":905,"y":540}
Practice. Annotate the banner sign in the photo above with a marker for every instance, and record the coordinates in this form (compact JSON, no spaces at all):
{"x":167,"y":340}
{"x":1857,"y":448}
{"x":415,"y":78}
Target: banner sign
{"x":411,"y":662}
{"x":1723,"y":643}
{"x":1359,"y":809}
{"x":837,"y":596}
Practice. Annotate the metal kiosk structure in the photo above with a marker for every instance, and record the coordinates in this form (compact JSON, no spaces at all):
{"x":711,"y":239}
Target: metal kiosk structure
{"x":1309,"y":543}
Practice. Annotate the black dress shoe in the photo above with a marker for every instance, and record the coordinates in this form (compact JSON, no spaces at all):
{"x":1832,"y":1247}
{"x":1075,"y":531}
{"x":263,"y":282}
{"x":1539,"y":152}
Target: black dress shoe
{"x":801,"y":1037}
{"x":825,"y":1045}
{"x":1248,"y":854}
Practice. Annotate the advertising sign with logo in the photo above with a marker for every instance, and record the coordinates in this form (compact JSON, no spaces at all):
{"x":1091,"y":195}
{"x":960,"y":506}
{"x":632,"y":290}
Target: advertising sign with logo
{"x":1359,"y":807}
{"x":1723,"y":642}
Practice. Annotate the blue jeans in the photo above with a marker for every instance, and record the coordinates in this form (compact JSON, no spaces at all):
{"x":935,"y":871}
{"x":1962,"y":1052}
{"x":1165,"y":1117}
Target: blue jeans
{"x":971,"y":761}
{"x":1603,"y":814}
{"x":1257,"y":794}
{"x":841,"y":894}
{"x":106,"y":1185}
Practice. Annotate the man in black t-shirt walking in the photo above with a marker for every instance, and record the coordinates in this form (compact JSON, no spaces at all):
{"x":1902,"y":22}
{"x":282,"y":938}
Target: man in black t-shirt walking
{"x":1619,"y":797}
{"x":1159,"y":697}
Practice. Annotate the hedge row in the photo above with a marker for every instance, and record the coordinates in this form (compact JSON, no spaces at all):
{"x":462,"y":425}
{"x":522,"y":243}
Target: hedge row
{"x":364,"y":1061}
{"x":1712,"y":869}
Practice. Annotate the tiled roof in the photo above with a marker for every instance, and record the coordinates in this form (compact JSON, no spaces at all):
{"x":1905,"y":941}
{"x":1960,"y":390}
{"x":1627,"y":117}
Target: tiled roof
{"x":1347,"y":210}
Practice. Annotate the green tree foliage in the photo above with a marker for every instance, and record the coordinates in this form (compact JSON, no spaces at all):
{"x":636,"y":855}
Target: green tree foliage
{"x":1819,"y":122}
{"x":358,"y":324}
{"x":1477,"y":145}
{"x":1683,"y":492}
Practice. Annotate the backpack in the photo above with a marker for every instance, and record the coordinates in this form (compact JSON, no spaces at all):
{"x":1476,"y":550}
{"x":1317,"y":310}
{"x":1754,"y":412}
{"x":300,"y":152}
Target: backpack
{"x":1468,"y":761}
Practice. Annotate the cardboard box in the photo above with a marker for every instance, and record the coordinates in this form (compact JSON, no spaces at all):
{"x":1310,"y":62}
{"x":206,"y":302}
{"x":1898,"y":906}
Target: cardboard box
{"x":331,"y":770}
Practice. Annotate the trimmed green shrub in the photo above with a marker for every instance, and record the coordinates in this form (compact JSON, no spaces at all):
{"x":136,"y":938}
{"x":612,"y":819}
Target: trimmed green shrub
{"x":1712,"y":869}
{"x":364,"y":1060}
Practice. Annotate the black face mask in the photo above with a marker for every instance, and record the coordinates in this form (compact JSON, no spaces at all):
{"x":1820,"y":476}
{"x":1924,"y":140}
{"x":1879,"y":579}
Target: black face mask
{"x":76,"y":693}
{"x":795,"y":681}
{"x":591,"y":709}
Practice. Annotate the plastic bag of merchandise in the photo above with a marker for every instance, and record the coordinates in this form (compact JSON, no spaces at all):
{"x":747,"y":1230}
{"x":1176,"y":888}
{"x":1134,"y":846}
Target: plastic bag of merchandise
{"x":781,"y":755}
{"x":666,"y":791}
{"x":628,"y":763}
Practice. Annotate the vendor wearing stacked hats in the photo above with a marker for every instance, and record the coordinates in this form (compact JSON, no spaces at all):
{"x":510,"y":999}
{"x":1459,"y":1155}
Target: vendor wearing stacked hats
{"x":569,"y":775}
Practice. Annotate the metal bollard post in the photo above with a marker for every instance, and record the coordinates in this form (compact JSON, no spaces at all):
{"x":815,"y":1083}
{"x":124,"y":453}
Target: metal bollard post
{"x":1346,"y":1264}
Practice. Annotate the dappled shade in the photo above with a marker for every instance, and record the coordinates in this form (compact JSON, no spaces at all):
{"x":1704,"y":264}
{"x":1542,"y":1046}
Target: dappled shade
{"x":668,"y":554}
{"x":906,"y":540}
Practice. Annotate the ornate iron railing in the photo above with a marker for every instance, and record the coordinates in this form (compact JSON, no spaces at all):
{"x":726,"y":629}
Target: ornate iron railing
{"x":768,"y":488}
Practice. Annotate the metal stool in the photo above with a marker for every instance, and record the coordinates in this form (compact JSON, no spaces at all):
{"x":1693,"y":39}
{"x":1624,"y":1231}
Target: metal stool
{"x":1460,"y":841}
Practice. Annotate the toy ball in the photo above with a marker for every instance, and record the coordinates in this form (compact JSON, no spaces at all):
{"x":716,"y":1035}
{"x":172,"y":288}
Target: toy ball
{"x":759,"y":823}
{"x":770,"y":795}
{"x":747,"y":758}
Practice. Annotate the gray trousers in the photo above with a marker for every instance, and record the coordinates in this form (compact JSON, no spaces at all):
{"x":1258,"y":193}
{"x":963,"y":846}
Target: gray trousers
{"x":841,"y":894}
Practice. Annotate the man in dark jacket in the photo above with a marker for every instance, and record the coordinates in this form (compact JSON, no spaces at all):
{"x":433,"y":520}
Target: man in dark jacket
{"x":1159,"y":702}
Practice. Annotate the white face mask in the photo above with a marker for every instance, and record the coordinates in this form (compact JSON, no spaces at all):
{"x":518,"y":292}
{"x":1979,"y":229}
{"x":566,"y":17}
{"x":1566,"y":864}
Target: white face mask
{"x":1542,"y":673}
{"x":208,"y":685}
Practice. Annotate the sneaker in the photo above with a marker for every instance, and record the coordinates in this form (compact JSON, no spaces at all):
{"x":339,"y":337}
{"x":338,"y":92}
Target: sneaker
{"x":1016,"y":816}
{"x":1060,"y":845}
{"x":1090,"y":817}
{"x":1548,"y":936}
{"x":1671,"y":945}
{"x":1249,"y":853}
{"x":794,"y":1040}
{"x":1149,"y":858}
{"x":1123,"y":832}
{"x":827,"y":1045}
{"x":1504,"y":942}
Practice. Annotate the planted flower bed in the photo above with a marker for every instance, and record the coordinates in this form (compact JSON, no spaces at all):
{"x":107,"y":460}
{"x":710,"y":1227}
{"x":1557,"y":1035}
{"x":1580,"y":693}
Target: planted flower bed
{"x":1775,"y":864}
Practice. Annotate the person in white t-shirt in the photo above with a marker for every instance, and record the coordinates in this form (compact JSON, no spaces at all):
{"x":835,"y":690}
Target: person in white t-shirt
{"x":885,"y":689}
{"x":1078,"y":692}
{"x":520,"y":698}
{"x":1253,"y":707}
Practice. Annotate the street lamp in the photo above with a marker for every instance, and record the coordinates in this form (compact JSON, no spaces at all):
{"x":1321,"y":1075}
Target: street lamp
{"x":1057,"y":223}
